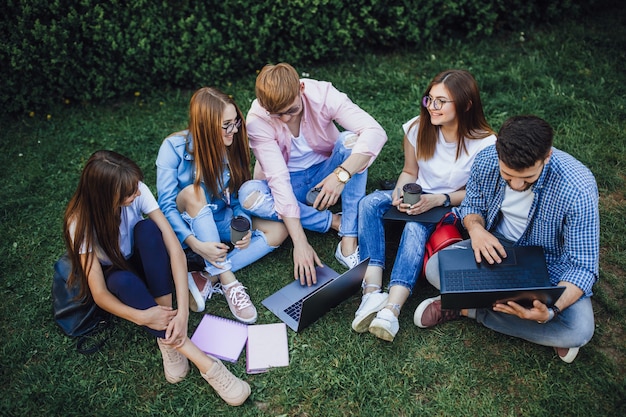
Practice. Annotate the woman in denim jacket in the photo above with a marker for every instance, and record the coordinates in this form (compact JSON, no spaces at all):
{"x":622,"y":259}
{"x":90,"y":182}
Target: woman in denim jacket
{"x":199,"y":172}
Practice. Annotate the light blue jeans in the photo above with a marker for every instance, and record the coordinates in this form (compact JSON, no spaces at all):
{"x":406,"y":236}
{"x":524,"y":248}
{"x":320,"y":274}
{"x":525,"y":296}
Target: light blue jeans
{"x":208,"y":226}
{"x":574,"y":327}
{"x":408,"y":263}
{"x":301,"y":182}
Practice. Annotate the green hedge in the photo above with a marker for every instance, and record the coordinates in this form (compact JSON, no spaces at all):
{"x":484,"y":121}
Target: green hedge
{"x":89,"y":50}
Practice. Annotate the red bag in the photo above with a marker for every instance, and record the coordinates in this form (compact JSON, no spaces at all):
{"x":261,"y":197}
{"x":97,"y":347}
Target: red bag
{"x":446,"y":233}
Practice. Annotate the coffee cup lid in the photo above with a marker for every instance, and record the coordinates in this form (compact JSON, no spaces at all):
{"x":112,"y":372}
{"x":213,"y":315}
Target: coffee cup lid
{"x":412,"y":188}
{"x":240,"y":223}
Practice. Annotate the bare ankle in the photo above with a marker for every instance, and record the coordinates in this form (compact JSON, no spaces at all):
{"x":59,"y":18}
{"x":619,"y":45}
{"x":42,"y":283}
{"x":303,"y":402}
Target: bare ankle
{"x":395,"y":309}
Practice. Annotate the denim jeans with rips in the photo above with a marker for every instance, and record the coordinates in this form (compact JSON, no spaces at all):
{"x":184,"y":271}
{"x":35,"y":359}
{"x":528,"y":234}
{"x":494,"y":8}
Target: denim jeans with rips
{"x":301,"y":182}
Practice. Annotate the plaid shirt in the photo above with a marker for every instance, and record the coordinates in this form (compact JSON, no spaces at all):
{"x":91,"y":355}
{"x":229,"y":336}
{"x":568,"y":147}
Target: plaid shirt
{"x":563,"y":218}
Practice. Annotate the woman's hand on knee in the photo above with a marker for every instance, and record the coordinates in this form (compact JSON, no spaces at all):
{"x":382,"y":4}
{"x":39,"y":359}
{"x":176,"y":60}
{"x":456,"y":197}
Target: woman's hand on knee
{"x":158,"y":317}
{"x":213,"y":252}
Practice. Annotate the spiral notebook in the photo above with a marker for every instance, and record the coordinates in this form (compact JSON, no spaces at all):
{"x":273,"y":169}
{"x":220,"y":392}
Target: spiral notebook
{"x":220,"y":337}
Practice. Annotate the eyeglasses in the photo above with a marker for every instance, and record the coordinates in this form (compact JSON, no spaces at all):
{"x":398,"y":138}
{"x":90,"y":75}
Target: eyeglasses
{"x":437,"y":102}
{"x":231,"y":126}
{"x":289,"y":112}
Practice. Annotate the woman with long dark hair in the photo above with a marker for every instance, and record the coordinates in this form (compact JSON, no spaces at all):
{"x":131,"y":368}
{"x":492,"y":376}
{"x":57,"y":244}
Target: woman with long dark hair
{"x":126,"y":264}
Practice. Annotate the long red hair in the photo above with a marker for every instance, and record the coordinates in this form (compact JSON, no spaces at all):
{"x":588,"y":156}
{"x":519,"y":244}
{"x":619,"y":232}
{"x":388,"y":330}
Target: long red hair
{"x":209,"y":152}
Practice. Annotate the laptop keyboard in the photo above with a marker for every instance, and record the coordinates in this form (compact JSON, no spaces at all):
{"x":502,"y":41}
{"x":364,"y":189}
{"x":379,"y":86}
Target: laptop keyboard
{"x":295,"y":310}
{"x":473,"y":280}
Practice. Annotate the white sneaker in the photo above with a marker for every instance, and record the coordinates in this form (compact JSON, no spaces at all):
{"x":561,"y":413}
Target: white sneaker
{"x":371,"y":303}
{"x":349,"y":261}
{"x":385,"y":326}
{"x":567,"y":355}
{"x":200,"y":289}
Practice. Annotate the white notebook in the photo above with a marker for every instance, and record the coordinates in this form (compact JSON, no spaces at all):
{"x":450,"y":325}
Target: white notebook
{"x":267,"y":347}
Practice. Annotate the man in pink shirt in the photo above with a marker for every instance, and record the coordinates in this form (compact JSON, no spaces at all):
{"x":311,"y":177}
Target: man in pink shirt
{"x":298,"y":148}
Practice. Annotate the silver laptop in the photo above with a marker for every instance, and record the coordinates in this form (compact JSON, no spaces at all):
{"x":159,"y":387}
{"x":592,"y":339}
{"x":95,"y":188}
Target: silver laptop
{"x":299,"y":306}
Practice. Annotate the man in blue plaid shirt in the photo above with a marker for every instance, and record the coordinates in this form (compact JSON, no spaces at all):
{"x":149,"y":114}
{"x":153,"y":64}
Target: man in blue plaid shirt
{"x":522,"y":191}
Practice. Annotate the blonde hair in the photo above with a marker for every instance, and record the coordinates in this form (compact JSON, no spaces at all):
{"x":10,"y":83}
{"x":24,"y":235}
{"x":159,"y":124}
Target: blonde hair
{"x":277,"y":86}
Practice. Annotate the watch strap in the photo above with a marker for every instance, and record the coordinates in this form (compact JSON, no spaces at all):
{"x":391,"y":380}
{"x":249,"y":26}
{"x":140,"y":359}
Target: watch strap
{"x":345,"y":170}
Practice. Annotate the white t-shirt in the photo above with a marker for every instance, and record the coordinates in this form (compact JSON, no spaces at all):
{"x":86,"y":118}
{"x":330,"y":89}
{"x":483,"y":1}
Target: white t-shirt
{"x":443,"y":173}
{"x":302,"y":156}
{"x":131,"y":215}
{"x":515,"y":208}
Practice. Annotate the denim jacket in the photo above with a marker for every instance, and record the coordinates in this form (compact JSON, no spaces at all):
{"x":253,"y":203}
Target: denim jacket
{"x":175,"y":171}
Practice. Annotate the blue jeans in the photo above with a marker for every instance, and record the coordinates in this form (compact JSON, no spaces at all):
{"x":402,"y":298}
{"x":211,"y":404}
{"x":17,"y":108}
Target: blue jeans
{"x":153,"y":276}
{"x":209,"y":226}
{"x":301,"y":182}
{"x":408,"y":263}
{"x":574,"y":327}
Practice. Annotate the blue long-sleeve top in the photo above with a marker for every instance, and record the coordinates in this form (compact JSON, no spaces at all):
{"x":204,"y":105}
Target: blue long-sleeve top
{"x":175,"y":171}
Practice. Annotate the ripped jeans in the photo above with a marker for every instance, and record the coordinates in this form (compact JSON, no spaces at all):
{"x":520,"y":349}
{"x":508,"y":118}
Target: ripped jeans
{"x":301,"y":182}
{"x":408,"y":263}
{"x":208,"y":226}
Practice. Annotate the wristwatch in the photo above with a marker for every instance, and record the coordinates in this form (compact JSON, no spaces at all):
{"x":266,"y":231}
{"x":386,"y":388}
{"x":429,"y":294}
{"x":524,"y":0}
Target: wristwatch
{"x":343,"y":175}
{"x":447,"y":202}
{"x":553,"y":312}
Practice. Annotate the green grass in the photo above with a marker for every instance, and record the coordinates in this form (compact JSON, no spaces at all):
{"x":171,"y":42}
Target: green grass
{"x":571,"y":74}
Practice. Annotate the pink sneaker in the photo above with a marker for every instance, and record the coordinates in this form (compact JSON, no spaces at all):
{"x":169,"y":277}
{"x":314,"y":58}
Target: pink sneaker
{"x":232,"y":389}
{"x":239,"y":302}
{"x":429,"y":313}
{"x":567,"y":355}
{"x":201,"y":288}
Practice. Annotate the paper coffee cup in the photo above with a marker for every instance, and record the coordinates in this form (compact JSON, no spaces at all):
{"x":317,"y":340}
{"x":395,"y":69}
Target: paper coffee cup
{"x":239,"y":227}
{"x":411,"y":193}
{"x":311,"y":195}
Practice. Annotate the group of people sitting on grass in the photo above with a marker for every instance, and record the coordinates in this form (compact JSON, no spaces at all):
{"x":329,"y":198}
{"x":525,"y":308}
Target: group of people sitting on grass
{"x":513,"y":187}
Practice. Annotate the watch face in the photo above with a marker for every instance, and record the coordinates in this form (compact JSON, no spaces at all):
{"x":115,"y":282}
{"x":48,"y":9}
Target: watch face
{"x":343,"y":176}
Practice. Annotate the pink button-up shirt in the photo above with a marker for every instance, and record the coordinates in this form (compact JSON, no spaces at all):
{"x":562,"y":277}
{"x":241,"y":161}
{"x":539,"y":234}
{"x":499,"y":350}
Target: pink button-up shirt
{"x":270,"y":139}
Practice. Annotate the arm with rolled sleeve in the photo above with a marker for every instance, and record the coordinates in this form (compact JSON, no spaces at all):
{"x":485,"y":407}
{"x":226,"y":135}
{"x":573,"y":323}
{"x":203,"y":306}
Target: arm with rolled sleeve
{"x":371,"y":136}
{"x":269,"y":156}
{"x":168,"y":187}
{"x":581,"y":241}
{"x":483,"y":195}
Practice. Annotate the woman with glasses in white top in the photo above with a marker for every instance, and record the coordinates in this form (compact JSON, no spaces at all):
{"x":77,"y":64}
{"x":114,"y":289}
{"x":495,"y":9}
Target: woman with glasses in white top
{"x":439,"y":147}
{"x":199,"y":173}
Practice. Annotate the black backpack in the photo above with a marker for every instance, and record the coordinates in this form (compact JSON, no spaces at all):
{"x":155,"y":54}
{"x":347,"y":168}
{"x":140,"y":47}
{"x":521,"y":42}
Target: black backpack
{"x":80,"y":318}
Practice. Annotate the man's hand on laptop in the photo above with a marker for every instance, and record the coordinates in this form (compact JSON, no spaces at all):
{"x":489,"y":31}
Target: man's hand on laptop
{"x":304,"y":261}
{"x":538,"y":312}
{"x":486,"y":246}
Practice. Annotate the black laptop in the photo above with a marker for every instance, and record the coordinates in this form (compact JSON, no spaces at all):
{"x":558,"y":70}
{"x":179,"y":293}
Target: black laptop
{"x":299,"y":305}
{"x":431,"y":216}
{"x":521,"y":277}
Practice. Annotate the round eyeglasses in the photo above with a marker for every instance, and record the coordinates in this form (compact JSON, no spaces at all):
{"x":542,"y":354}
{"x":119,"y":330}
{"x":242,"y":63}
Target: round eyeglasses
{"x":290,"y":112}
{"x":436,"y":102}
{"x":231,"y":126}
